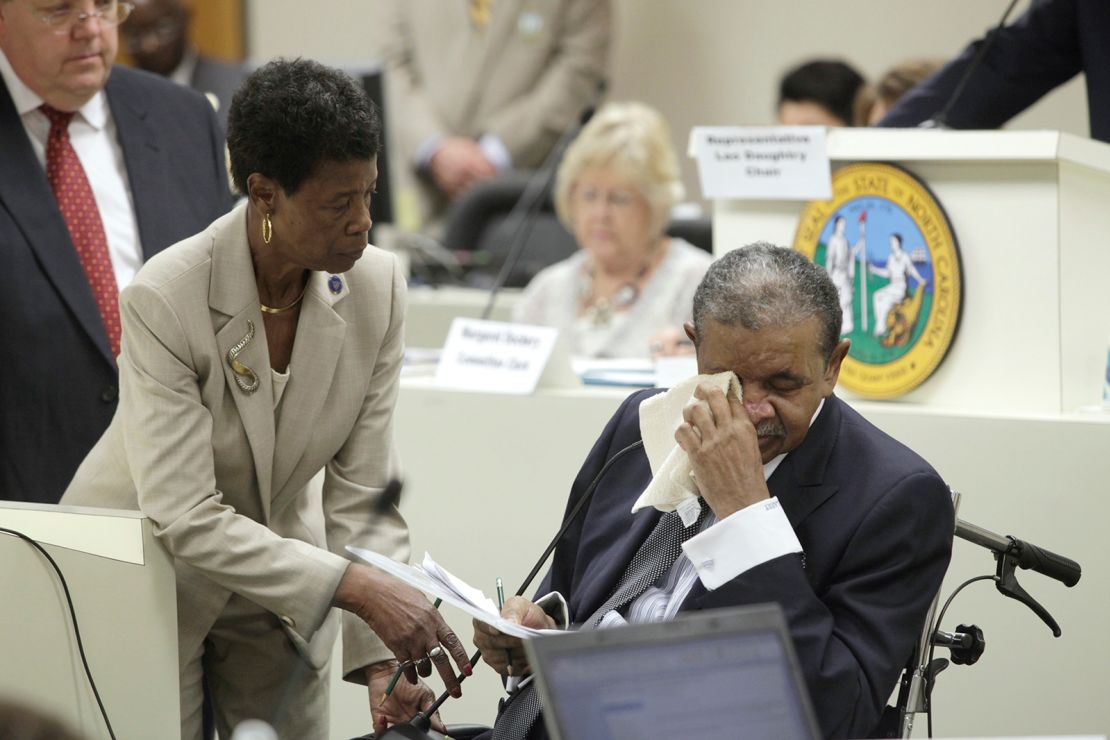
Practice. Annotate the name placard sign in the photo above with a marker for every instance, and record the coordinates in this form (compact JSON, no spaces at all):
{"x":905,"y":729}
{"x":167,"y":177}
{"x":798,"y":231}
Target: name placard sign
{"x":762,"y":163}
{"x":494,"y":357}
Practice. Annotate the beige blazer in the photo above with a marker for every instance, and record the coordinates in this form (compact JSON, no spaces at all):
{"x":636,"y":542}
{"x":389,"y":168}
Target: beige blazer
{"x":225,"y":488}
{"x":524,"y":78}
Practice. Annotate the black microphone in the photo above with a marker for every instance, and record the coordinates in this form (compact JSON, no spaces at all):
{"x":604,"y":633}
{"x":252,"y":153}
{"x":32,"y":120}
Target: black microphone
{"x":536,"y":192}
{"x":586,"y":496}
{"x":940,"y":120}
{"x":390,"y":498}
{"x":1027,"y":555}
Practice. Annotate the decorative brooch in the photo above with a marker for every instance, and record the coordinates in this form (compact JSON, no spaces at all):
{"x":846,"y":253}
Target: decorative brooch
{"x":244,"y":376}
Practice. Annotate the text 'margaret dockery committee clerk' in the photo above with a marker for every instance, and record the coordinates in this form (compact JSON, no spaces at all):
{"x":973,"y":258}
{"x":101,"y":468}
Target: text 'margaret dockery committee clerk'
{"x":802,"y":503}
{"x":255,"y":354}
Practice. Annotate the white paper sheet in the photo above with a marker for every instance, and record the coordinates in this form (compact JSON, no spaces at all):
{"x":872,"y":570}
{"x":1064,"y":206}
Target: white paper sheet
{"x":437,"y":582}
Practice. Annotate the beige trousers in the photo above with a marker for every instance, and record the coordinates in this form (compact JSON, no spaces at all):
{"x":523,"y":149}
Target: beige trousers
{"x":253,"y":672}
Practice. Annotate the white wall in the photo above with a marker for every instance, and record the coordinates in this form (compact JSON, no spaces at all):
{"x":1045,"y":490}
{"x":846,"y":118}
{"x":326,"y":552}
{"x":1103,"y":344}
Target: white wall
{"x":703,"y":61}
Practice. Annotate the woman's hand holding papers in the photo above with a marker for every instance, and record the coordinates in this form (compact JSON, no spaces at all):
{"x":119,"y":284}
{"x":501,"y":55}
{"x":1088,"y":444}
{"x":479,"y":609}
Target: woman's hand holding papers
{"x":405,"y":621}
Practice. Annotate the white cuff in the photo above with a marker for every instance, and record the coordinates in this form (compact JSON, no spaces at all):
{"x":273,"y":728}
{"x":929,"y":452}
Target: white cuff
{"x":555,"y":606}
{"x":496,"y":152}
{"x":425,"y":152}
{"x":749,"y":537}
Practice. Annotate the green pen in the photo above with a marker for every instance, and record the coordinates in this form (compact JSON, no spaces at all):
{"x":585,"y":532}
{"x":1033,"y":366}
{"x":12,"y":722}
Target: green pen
{"x":500,"y":607}
{"x":400,"y":669}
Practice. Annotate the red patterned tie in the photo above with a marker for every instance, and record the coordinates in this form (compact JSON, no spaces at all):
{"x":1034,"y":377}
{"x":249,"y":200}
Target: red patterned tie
{"x":78,"y":207}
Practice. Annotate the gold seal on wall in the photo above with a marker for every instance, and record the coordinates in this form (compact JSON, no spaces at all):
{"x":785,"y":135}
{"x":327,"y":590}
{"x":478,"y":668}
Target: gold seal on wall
{"x":892,"y":255}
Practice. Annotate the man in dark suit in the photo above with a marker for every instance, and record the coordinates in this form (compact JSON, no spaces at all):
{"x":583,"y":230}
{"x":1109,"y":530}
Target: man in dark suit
{"x":156,"y":35}
{"x":803,"y":503}
{"x":1053,"y":41}
{"x":96,"y":175}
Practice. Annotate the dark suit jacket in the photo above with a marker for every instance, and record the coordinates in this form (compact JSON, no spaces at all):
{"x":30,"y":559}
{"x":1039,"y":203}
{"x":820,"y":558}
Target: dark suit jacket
{"x":1051,"y":43}
{"x":58,"y":385}
{"x":220,"y":79}
{"x":875,"y":522}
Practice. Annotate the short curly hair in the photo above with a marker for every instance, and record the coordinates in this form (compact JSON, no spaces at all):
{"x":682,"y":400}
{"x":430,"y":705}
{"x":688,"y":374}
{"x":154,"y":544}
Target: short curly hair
{"x":291,"y":116}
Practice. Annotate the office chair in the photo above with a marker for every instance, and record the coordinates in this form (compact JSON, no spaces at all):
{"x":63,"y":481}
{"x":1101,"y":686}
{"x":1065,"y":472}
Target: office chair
{"x":479,"y":233}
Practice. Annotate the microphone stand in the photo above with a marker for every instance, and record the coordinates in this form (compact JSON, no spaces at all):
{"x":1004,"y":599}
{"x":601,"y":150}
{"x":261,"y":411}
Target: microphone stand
{"x":940,"y":120}
{"x":417,"y":727}
{"x":531,"y":200}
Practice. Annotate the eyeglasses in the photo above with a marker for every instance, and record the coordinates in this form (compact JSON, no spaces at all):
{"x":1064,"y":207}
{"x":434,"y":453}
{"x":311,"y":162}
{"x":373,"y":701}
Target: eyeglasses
{"x":63,"y":18}
{"x":613,"y":198}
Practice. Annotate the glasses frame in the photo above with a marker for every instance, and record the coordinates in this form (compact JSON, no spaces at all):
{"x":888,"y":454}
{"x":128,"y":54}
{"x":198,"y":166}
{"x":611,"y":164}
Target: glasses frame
{"x":74,"y":18}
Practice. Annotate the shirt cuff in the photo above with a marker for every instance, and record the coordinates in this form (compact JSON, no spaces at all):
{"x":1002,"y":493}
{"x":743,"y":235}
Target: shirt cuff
{"x":754,"y":535}
{"x":496,"y":152}
{"x":426,"y":151}
{"x":555,"y":606}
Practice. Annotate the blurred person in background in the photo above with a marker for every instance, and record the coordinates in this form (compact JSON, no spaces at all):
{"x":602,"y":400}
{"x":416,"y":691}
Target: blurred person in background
{"x":629,"y":281}
{"x":157,"y":38}
{"x":819,"y":92}
{"x":479,"y":87}
{"x":873,"y":101}
{"x":1049,"y":44}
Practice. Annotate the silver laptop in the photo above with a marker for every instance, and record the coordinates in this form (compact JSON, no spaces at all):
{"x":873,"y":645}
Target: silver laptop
{"x":726,"y":673}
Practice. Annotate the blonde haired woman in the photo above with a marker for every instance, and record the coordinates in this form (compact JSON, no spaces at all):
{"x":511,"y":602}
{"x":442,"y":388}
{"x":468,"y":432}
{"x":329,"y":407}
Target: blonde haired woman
{"x":614,"y":191}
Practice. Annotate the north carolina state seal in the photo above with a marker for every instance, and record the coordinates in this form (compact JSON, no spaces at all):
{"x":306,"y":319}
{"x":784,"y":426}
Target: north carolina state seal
{"x":892,"y":255}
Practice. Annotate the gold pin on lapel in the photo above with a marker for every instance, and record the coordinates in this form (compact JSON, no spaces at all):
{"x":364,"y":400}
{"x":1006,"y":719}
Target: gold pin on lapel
{"x":244,"y":376}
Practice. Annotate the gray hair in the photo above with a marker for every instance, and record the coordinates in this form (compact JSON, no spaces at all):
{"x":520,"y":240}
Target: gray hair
{"x":762,"y":285}
{"x":631,"y":139}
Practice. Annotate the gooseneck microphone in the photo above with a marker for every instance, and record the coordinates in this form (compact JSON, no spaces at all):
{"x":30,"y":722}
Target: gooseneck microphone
{"x":940,"y":120}
{"x":536,"y":191}
{"x":585,"y":498}
{"x":1027,"y":555}
{"x":419,"y":725}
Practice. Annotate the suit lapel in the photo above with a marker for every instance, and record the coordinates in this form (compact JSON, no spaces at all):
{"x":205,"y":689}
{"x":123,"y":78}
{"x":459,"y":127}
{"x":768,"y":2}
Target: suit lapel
{"x":799,"y":483}
{"x":234,"y":292}
{"x":316,"y":349}
{"x":144,"y":159}
{"x":26,"y":195}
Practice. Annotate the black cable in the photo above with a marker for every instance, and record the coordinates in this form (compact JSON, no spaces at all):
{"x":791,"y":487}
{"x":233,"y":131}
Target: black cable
{"x":423,"y":719}
{"x":73,"y":619}
{"x":940,"y":120}
{"x":933,"y":647}
{"x":585,"y":497}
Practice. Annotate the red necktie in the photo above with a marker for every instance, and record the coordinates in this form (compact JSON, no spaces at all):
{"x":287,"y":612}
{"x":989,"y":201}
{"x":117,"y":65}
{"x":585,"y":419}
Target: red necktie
{"x":78,"y":207}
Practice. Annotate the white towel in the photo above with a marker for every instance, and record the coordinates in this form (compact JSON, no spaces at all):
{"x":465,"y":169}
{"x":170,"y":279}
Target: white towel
{"x":672,"y":486}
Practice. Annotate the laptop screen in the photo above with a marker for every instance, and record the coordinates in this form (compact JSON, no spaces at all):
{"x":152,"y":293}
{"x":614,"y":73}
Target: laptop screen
{"x":700,"y":683}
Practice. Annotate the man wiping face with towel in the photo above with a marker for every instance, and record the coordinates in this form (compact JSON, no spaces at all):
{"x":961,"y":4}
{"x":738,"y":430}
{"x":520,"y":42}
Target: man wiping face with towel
{"x":754,"y":484}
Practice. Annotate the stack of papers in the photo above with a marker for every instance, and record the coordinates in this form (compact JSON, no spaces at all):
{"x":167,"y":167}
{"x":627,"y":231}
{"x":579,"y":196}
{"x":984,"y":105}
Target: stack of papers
{"x":437,"y":582}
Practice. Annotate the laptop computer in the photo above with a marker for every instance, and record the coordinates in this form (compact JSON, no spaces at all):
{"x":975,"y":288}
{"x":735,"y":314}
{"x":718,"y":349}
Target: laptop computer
{"x":728,"y":673}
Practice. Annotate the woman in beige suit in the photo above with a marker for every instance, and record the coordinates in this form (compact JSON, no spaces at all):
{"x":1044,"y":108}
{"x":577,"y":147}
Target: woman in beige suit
{"x":256,"y":354}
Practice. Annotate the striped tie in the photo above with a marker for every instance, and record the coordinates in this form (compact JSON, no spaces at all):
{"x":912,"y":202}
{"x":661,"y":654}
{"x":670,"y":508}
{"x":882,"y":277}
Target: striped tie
{"x":654,"y":558}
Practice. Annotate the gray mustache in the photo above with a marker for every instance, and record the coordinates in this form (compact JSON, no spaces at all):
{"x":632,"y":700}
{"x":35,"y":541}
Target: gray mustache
{"x":770,"y":428}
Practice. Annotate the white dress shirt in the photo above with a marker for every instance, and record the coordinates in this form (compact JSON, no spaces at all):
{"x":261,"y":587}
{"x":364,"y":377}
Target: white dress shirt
{"x":96,"y":141}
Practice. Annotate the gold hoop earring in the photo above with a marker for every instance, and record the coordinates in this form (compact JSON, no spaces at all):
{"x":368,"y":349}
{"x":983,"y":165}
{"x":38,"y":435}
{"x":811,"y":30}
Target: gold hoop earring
{"x":267,"y":228}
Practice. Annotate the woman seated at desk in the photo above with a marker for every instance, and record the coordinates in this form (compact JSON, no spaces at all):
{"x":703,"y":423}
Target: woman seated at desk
{"x":629,"y":282}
